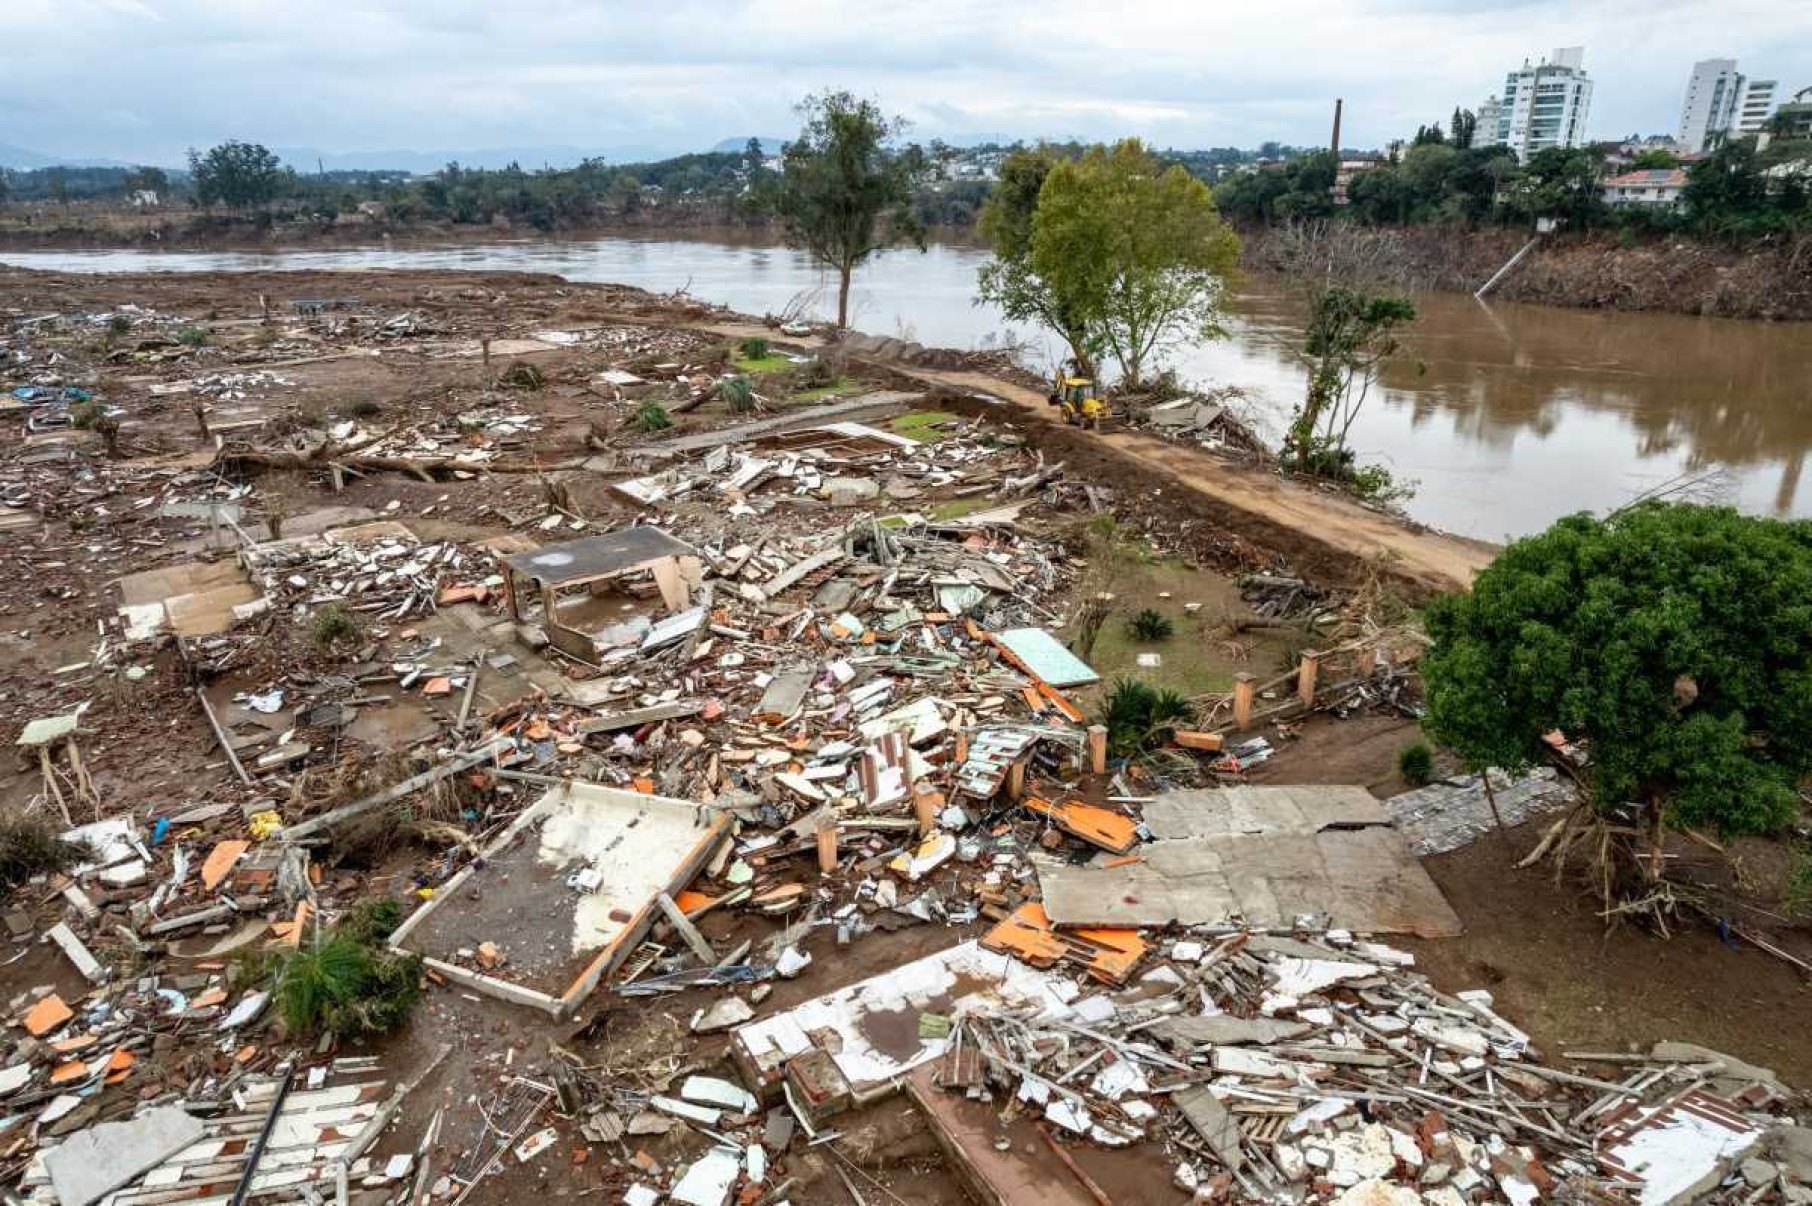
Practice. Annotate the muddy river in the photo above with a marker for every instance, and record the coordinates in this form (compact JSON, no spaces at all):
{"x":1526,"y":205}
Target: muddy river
{"x":1506,"y":416}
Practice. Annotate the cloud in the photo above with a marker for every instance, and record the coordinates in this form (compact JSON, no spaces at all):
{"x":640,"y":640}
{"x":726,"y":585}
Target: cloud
{"x":142,"y":79}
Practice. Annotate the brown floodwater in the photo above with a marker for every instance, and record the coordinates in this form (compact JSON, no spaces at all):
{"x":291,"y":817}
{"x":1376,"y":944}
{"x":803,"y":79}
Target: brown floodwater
{"x":1506,"y":416}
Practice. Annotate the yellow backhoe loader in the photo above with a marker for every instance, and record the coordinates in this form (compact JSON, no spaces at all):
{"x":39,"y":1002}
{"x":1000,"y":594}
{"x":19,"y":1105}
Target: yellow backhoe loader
{"x":1082,"y":406}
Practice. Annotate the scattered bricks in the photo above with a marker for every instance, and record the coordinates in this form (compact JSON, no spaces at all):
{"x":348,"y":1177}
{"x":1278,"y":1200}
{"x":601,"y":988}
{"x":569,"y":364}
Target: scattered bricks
{"x":817,"y":1084}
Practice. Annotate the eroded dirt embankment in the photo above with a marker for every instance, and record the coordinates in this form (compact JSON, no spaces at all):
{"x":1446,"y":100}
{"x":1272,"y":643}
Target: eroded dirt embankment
{"x":1768,"y":280}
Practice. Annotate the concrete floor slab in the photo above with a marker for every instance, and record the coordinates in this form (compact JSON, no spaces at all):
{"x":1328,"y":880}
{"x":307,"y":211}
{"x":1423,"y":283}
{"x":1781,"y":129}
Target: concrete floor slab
{"x":558,"y":936}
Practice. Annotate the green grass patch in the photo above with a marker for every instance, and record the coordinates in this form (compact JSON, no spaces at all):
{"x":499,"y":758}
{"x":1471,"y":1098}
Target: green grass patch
{"x":835,"y":389}
{"x":1186,"y":668}
{"x":772,"y":363}
{"x":1192,"y":662}
{"x":956,"y":508}
{"x":921,"y":425}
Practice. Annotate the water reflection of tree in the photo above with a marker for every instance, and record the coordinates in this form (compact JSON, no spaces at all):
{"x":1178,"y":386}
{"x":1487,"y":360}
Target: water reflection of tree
{"x":1723,"y":392}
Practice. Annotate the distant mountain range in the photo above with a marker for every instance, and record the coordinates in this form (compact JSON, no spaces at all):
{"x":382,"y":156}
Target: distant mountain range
{"x":531,"y":158}
{"x":731,"y":146}
{"x":18,"y":157}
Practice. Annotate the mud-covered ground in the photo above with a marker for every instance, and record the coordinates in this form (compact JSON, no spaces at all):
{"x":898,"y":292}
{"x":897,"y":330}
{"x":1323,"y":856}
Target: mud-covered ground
{"x":409,"y":354}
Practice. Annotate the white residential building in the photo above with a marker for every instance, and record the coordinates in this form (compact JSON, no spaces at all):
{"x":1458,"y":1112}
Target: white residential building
{"x":1756,"y":107}
{"x":1648,"y":186}
{"x":1714,"y":92}
{"x":1491,"y":113}
{"x":1546,"y":104}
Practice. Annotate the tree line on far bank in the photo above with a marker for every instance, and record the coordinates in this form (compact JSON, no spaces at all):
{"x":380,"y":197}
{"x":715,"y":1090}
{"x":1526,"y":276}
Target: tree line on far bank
{"x":1737,"y":192}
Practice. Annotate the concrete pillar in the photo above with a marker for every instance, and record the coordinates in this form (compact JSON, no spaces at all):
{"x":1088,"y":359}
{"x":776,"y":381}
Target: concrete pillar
{"x":1245,"y":691}
{"x":925,"y":805}
{"x":1097,"y":749}
{"x":827,"y":849}
{"x":1306,"y":675}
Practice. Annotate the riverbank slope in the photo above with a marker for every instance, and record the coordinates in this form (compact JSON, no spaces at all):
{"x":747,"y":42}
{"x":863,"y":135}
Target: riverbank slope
{"x":1770,"y":279}
{"x":1765,"y":279}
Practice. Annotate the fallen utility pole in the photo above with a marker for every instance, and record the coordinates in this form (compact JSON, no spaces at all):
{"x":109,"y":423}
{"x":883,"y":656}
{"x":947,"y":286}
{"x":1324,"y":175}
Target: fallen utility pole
{"x":397,"y":791}
{"x":1512,"y":262}
{"x":220,"y":736}
{"x":264,"y":1135}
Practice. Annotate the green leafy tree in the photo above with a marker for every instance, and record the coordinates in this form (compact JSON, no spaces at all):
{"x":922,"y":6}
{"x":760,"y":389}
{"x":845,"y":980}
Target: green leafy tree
{"x":1463,"y":128}
{"x":1561,"y":182}
{"x":1009,"y":280}
{"x":1139,"y":250}
{"x":845,"y":191}
{"x":239,"y":175}
{"x":1675,"y":641}
{"x":1730,"y":192}
{"x":147,"y":179}
{"x":58,"y":181}
{"x":1425,"y":170}
{"x":1350,"y":334}
{"x":1655,"y":159}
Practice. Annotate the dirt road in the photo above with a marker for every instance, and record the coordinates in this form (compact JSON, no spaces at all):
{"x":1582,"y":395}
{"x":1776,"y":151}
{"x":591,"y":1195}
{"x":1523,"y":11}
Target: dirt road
{"x":1263,"y":503}
{"x":1434,"y":560}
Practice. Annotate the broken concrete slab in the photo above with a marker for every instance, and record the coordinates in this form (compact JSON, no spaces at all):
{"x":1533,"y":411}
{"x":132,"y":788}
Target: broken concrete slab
{"x":1213,"y":1123}
{"x":1221,"y":1028}
{"x":1220,"y":811}
{"x":562,"y":932}
{"x":1261,"y":857}
{"x":93,"y":1163}
{"x":870,"y":1030}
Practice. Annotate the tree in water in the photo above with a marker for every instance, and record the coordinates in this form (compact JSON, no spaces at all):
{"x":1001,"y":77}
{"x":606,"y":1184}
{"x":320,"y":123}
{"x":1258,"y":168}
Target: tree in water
{"x":1350,"y":334}
{"x":845,"y":191}
{"x":1674,"y":643}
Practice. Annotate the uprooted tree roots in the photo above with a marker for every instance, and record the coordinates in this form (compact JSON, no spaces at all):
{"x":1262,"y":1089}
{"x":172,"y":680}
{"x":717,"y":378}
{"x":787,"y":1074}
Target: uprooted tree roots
{"x":362,"y":840}
{"x":1621,"y":861}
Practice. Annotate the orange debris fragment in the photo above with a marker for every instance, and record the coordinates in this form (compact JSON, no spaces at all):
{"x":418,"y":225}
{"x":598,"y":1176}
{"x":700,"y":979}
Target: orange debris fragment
{"x":47,"y":1015}
{"x":220,"y":862}
{"x":690,"y":900}
{"x":1107,"y":955}
{"x":1097,"y":826}
{"x":63,"y":1073}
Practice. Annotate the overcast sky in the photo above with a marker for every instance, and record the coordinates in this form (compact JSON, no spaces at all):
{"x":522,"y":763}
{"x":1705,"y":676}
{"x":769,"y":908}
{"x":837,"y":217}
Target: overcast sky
{"x":141,"y":80}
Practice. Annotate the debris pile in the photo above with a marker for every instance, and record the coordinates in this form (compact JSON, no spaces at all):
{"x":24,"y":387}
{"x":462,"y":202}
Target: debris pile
{"x":745,"y":776}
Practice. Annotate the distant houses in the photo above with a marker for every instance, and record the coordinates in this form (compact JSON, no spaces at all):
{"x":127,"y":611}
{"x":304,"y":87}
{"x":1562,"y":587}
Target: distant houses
{"x":1646,"y":186}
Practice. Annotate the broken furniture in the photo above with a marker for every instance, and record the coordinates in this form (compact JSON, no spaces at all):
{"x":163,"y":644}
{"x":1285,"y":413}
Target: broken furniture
{"x":563,"y":895}
{"x":598,"y":566}
{"x":48,"y":734}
